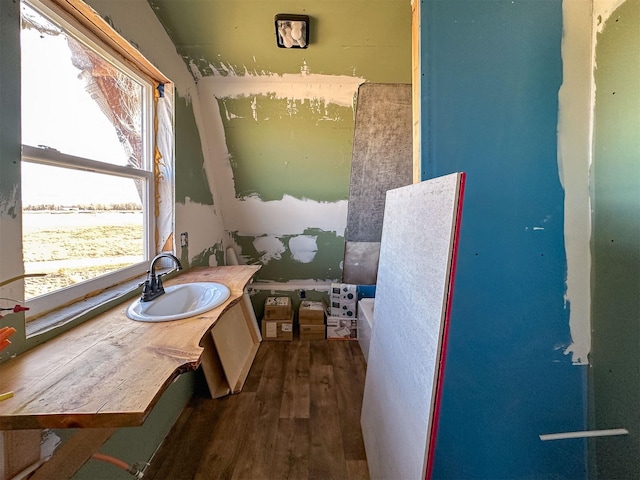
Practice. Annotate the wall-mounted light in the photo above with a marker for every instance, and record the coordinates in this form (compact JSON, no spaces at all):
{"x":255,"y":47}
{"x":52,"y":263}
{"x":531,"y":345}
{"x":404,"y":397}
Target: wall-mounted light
{"x":292,"y":31}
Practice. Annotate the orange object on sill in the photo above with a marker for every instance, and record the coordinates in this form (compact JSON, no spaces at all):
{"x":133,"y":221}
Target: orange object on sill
{"x":5,"y":333}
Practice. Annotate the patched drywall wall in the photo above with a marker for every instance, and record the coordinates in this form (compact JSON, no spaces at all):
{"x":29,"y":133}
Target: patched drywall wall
{"x":314,"y":255}
{"x":282,"y":168}
{"x":279,"y":123}
{"x":290,"y":138}
{"x":582,"y":22}
{"x":575,"y":107}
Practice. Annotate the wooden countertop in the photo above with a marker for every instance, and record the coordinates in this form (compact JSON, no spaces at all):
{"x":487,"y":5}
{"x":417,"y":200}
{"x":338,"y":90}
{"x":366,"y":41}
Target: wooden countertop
{"x":110,"y":371}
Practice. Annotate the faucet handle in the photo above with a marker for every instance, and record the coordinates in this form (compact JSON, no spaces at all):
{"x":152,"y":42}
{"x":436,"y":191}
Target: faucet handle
{"x":146,"y":281}
{"x":146,"y":290}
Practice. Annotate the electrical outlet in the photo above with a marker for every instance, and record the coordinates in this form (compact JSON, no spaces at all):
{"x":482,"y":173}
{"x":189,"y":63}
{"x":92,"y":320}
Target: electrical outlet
{"x":184,"y":239}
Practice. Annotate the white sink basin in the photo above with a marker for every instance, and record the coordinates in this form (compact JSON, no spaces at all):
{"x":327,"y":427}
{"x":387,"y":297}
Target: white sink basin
{"x":180,"y":301}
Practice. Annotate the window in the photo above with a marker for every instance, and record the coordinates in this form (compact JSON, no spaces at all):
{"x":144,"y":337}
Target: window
{"x":88,"y":178}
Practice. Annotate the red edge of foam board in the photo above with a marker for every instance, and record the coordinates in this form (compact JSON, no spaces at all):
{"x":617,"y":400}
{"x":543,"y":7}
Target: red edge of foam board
{"x":445,"y":333}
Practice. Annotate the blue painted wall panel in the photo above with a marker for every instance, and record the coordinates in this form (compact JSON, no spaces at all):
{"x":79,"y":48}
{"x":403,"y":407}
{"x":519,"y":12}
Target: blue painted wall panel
{"x":491,"y":74}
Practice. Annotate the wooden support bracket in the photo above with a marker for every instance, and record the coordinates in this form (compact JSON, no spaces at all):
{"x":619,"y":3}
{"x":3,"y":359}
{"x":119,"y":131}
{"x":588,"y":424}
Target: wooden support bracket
{"x":73,"y":454}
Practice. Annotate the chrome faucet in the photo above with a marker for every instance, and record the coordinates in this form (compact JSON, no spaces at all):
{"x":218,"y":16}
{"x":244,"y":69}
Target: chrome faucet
{"x":152,"y":286}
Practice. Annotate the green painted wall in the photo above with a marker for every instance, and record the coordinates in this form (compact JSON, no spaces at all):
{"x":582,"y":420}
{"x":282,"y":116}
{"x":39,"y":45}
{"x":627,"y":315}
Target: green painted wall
{"x":616,"y":244}
{"x":191,"y":179}
{"x":325,"y":265}
{"x":292,"y":147}
{"x":364,"y":38}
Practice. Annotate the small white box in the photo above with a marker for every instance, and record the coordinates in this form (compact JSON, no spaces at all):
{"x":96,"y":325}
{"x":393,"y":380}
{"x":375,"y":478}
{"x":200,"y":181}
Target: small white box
{"x":343,"y":308}
{"x":344,"y":292}
{"x":342,"y":328}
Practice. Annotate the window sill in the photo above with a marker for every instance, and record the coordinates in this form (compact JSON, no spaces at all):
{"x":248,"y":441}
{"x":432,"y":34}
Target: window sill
{"x":71,"y":315}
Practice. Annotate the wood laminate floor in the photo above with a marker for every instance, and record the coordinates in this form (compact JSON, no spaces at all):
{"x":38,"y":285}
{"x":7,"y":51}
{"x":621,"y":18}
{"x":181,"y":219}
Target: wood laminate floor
{"x":297,"y":417}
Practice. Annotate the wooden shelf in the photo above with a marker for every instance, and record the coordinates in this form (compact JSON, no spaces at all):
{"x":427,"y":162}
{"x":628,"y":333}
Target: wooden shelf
{"x":110,"y":371}
{"x":236,"y":344}
{"x":230,"y":349}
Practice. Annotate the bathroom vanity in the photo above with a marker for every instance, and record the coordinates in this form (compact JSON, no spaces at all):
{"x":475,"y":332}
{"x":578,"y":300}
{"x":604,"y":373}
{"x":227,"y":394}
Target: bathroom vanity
{"x":110,"y":371}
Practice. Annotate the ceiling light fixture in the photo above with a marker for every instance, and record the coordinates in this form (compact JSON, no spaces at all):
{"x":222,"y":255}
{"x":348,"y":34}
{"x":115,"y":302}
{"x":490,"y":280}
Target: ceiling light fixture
{"x":292,"y":31}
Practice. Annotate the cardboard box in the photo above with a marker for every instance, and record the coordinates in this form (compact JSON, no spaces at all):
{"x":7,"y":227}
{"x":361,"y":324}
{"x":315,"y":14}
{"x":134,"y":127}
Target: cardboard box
{"x":344,"y":291}
{"x":278,"y":330}
{"x":311,"y":312}
{"x":277,"y":308}
{"x":342,"y":328}
{"x":343,"y":308}
{"x":312,"y":332}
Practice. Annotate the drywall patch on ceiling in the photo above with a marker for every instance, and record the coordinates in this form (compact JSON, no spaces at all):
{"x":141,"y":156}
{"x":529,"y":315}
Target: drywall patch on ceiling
{"x":195,"y":71}
{"x":323,"y":103}
{"x":338,"y":89}
{"x":253,"y":107}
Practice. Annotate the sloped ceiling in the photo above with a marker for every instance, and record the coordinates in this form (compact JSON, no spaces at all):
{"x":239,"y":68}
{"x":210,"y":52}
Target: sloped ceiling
{"x":369,"y":39}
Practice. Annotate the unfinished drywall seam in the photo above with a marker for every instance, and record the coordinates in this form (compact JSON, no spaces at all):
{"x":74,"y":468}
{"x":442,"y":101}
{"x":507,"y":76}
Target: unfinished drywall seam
{"x":582,"y":21}
{"x":575,"y":113}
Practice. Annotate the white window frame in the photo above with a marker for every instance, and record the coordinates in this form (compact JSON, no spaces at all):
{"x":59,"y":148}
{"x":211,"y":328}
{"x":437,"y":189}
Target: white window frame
{"x":51,"y":157}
